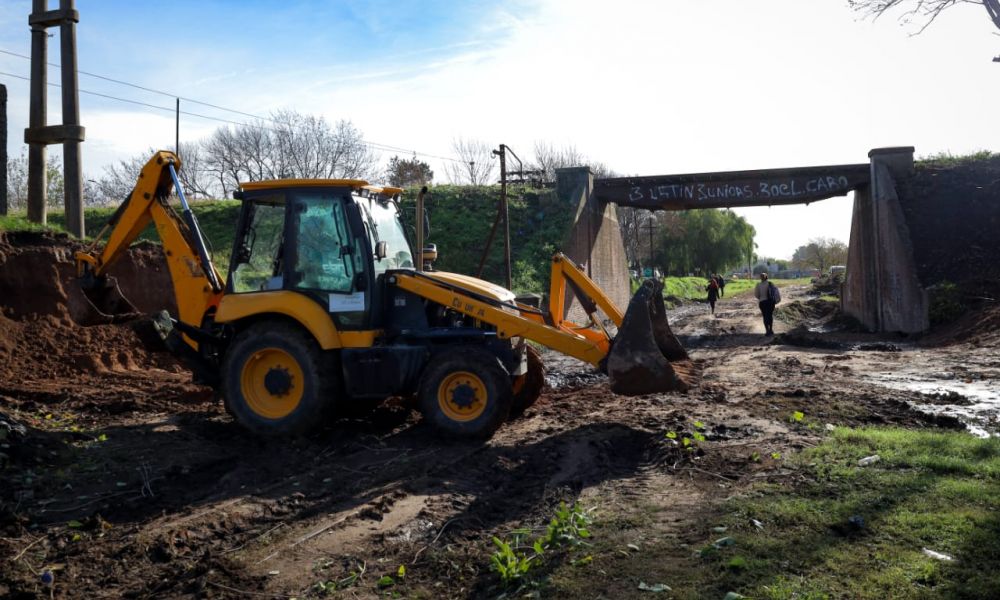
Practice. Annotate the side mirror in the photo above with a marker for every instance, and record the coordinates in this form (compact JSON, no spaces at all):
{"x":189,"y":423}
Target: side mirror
{"x":381,"y":250}
{"x":243,"y":255}
{"x":429,"y":255}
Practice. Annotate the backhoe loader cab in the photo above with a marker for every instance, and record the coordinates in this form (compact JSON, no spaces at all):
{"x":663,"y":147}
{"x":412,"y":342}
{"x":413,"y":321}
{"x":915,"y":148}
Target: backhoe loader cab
{"x":323,"y":306}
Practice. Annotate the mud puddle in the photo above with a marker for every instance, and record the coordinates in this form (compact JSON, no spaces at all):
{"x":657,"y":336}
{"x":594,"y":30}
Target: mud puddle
{"x":976,"y":403}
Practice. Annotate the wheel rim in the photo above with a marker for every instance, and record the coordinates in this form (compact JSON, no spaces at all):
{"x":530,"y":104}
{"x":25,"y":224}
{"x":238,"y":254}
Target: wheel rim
{"x":462,"y":396}
{"x":272,"y":383}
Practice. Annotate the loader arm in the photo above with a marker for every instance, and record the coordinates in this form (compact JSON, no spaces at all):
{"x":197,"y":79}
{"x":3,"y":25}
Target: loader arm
{"x":644,"y":356}
{"x":197,"y":284}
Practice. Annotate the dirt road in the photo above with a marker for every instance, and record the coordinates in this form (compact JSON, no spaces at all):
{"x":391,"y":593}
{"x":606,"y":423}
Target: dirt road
{"x":127,"y":481}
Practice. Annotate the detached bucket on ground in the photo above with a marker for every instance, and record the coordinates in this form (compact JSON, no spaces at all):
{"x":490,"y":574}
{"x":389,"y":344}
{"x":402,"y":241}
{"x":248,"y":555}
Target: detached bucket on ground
{"x":646,"y":356}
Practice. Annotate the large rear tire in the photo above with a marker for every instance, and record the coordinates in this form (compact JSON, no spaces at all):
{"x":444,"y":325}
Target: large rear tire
{"x":274,"y":382}
{"x":528,"y":387}
{"x":465,"y":392}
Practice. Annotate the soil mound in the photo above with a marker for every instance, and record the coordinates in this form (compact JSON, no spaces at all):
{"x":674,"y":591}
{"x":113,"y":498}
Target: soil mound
{"x":49,"y":350}
{"x":38,"y":278}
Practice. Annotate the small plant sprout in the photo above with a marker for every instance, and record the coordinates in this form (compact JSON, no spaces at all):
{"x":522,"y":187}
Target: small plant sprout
{"x":512,"y":566}
{"x":513,"y":560}
{"x":797,"y":417}
{"x":776,"y":455}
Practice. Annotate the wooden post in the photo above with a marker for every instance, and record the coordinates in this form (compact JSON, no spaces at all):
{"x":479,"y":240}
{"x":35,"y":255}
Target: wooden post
{"x":72,"y":167}
{"x":37,"y":117}
{"x":3,"y":149}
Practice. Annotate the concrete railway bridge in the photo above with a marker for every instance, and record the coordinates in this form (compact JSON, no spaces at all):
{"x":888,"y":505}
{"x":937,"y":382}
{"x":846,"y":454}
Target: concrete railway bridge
{"x":882,"y":289}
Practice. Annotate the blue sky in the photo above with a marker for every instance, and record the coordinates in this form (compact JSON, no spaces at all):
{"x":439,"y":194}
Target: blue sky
{"x":646,"y":87}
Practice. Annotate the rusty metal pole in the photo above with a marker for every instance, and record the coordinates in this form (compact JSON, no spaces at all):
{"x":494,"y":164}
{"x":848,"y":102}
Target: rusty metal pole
{"x":72,"y":164}
{"x":37,"y":117}
{"x":506,"y":213}
{"x":489,"y":243}
{"x":3,"y":149}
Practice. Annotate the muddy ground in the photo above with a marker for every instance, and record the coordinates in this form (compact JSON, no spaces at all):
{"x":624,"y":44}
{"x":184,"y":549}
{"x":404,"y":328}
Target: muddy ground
{"x":122,"y":479}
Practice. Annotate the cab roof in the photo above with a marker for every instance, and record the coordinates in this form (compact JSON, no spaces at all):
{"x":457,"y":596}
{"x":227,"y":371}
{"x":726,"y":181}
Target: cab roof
{"x":355,"y":184}
{"x":272,"y":184}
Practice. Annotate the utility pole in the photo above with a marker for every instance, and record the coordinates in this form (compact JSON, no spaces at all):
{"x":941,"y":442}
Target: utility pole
{"x":506,"y":213}
{"x":3,"y":149}
{"x":70,"y":134}
{"x":650,"y":227}
{"x":177,"y":129}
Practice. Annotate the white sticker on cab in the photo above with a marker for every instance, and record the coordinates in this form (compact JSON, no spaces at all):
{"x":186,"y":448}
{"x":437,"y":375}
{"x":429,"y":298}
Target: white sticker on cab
{"x":347,"y":302}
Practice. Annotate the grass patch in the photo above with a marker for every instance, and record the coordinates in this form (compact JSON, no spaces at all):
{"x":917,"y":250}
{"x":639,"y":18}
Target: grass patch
{"x":687,"y":289}
{"x":20,"y":222}
{"x":947,"y":159}
{"x":217,"y":219}
{"x":860,"y":532}
{"x":830,"y":530}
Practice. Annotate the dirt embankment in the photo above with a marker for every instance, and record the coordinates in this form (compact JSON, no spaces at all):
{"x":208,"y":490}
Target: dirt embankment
{"x":50,"y":351}
{"x":122,"y":479}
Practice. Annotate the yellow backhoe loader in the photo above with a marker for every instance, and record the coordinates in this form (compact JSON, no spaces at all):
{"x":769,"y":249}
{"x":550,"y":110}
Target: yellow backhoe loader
{"x":326,"y":302}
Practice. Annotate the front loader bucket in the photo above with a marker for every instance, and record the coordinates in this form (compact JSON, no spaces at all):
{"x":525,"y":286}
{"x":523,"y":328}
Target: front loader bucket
{"x":646,"y":356}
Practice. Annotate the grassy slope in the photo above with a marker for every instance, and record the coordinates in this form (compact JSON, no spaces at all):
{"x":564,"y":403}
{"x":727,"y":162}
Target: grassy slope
{"x":461,"y":218}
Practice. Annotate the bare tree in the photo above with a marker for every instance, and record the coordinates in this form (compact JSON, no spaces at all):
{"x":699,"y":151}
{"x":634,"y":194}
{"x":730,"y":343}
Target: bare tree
{"x":923,"y":12}
{"x":17,"y":182}
{"x":548,"y":158}
{"x":195,"y":178}
{"x":477,"y":166}
{"x":820,"y":253}
{"x":289,"y":145}
{"x":119,"y":178}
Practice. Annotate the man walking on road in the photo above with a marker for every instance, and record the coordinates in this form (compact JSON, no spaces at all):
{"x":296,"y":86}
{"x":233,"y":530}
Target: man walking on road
{"x":766,"y":299}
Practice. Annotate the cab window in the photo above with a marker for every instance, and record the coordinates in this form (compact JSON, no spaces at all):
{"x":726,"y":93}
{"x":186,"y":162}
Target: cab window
{"x":258,"y":261}
{"x":325,"y":258}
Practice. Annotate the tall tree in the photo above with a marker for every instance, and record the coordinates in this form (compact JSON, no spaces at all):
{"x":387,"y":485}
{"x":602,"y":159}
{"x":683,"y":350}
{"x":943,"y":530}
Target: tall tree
{"x":403,"y":172}
{"x":476,"y":164}
{"x":923,"y":12}
{"x":701,"y":241}
{"x":820,"y":253}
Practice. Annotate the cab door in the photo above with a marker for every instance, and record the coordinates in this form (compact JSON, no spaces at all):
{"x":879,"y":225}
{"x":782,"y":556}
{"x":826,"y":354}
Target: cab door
{"x":327,"y":259}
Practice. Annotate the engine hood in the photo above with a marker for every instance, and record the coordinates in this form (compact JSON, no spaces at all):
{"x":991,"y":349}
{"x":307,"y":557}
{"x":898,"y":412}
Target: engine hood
{"x":473,"y":284}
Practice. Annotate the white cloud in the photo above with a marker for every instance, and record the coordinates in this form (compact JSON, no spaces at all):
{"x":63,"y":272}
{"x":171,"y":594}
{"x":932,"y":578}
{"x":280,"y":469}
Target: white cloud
{"x":645,"y":87}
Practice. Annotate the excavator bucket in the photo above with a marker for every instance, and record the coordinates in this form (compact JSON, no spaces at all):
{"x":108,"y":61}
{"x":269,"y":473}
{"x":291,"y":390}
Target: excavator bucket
{"x":646,"y":356}
{"x":107,"y":302}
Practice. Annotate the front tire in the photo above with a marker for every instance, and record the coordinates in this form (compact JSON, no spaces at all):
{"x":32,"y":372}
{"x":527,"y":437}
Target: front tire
{"x":273,"y":380}
{"x":465,"y":392}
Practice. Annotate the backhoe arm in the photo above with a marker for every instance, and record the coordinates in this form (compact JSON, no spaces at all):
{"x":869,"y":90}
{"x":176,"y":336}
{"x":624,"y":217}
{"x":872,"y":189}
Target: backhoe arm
{"x":197,"y":284}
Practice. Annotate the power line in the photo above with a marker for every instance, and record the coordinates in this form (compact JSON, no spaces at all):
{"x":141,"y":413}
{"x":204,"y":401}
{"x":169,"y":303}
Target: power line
{"x":145,"y":89}
{"x":373,"y":145}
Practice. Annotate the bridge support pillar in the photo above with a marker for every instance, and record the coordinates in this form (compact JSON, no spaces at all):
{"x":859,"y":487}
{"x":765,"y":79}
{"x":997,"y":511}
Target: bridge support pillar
{"x":882,"y":289}
{"x":594,"y":240}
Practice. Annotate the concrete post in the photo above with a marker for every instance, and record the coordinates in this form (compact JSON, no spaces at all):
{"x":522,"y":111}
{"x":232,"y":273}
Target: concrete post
{"x":37,"y":184}
{"x":3,"y":150}
{"x":594,"y":240}
{"x":72,"y":167}
{"x":882,"y":289}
